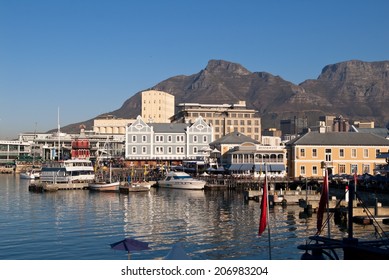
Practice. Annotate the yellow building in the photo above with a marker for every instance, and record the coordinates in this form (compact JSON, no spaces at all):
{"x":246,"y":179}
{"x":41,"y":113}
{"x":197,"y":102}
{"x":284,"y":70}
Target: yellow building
{"x":157,"y":106}
{"x":340,"y":152}
{"x":111,"y":125}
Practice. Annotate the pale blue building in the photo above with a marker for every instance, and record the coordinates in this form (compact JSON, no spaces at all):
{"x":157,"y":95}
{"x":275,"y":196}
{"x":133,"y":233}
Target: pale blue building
{"x":167,"y":141}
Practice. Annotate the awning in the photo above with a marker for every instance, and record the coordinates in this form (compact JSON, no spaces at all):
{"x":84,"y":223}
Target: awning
{"x":258,"y":167}
{"x":246,"y":166}
{"x":240,"y":167}
{"x":270,"y":167}
{"x":234,"y":167}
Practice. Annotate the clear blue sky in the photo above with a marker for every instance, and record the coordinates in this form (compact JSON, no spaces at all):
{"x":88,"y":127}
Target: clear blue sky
{"x":88,"y":56}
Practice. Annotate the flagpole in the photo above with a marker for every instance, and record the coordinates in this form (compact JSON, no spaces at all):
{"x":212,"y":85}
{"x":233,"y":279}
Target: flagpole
{"x":267,"y":220}
{"x":328,"y":205}
{"x":264,"y":216}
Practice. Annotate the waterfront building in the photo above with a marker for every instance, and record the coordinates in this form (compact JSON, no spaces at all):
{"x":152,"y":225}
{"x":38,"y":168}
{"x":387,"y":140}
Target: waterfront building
{"x":229,"y":142}
{"x":50,"y":146}
{"x":157,"y":106}
{"x":225,"y":118}
{"x":339,"y":152}
{"x":13,"y":150}
{"x":152,"y":143}
{"x":254,"y":160}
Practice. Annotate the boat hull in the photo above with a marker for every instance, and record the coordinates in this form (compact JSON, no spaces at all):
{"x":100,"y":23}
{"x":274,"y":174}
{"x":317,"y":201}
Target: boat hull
{"x":186,"y":185}
{"x":97,"y":186}
{"x":181,"y":180}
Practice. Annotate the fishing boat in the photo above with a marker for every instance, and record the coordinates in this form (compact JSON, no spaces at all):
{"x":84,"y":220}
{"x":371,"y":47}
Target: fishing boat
{"x":181,"y":180}
{"x":101,"y":183}
{"x":348,"y":248}
{"x":104,"y":186}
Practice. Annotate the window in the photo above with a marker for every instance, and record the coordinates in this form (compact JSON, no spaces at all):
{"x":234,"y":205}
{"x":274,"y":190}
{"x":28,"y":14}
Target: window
{"x":354,"y":168}
{"x":134,"y":150}
{"x":159,"y":150}
{"x":314,"y":152}
{"x":365,"y":153}
{"x":342,"y":169}
{"x":195,"y":150}
{"x":341,"y":153}
{"x":354,"y":153}
{"x":144,"y":150}
{"x":366,"y":168}
{"x":205,"y":139}
{"x":302,"y":170}
{"x":169,"y":138}
{"x":195,"y":138}
{"x":314,"y":170}
{"x":144,"y":138}
{"x":302,"y":152}
{"x":169,"y":150}
{"x":179,"y":150}
{"x":328,"y":155}
{"x":133,"y":138}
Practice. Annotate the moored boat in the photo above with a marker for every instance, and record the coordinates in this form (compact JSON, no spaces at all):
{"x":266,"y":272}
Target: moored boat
{"x":30,"y":175}
{"x":103,"y":186}
{"x":68,"y":171}
{"x":181,"y":180}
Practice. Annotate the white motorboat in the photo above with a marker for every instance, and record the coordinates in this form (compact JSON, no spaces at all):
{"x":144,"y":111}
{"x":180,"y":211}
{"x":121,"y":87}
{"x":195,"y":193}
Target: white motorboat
{"x":30,"y":175}
{"x":181,"y":180}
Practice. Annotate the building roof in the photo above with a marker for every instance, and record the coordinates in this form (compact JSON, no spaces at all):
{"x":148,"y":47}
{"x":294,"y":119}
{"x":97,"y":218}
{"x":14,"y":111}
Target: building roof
{"x":234,"y":138}
{"x":169,"y":127}
{"x":383,"y":132}
{"x":339,"y":139}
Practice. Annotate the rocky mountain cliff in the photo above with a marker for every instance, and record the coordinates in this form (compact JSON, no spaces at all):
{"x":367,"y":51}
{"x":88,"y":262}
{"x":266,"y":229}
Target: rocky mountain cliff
{"x":355,"y":89}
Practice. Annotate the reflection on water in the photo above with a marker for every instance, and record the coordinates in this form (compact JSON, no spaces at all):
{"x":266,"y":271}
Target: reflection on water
{"x":81,"y":224}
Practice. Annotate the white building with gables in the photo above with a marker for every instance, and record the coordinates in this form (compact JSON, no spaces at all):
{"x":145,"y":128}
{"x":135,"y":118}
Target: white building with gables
{"x":173,"y":142}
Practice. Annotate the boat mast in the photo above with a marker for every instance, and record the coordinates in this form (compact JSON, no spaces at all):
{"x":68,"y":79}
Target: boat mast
{"x":59,"y":137}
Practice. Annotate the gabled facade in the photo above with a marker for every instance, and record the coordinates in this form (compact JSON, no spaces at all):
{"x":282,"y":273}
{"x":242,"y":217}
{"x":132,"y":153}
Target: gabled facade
{"x":339,"y":152}
{"x":167,"y":141}
{"x":230,"y":141}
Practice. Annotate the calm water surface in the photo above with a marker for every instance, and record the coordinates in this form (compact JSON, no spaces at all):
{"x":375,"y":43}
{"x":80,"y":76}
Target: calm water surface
{"x":80,"y":225}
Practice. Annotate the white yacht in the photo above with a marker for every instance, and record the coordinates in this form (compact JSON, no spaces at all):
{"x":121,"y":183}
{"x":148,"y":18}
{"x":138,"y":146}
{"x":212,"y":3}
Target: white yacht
{"x":181,"y":180}
{"x":68,"y":171}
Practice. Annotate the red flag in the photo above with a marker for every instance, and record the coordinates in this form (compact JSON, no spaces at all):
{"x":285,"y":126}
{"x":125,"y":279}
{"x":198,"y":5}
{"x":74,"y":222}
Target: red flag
{"x":263,"y":216}
{"x":323,"y":203}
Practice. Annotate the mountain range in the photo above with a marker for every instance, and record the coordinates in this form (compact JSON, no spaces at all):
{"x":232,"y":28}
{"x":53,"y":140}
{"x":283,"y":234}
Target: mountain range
{"x":355,"y":89}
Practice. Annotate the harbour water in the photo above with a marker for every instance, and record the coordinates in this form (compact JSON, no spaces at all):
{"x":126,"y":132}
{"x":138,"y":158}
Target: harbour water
{"x":212,"y":225}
